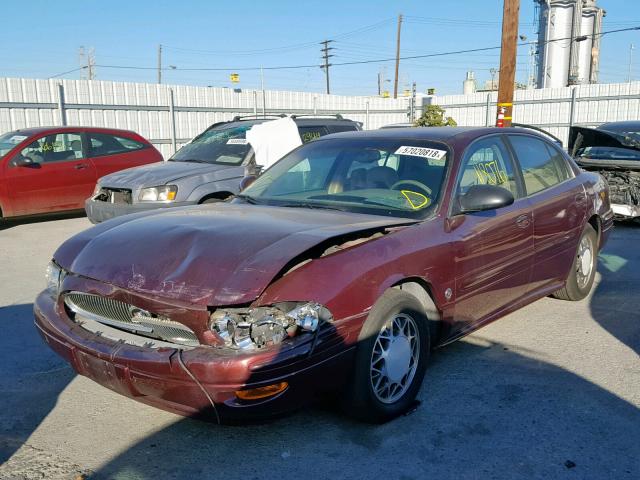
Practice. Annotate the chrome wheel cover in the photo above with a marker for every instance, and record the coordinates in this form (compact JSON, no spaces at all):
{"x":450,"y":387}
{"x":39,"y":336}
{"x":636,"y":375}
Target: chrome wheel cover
{"x":585,"y":262}
{"x":394,"y":359}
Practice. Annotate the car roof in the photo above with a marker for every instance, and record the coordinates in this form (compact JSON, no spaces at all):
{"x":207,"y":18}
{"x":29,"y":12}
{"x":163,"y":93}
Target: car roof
{"x":67,"y":128}
{"x":301,"y":120}
{"x":445,"y":134}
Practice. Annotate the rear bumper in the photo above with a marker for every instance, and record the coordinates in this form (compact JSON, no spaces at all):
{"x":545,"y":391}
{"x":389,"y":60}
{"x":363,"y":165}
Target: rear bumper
{"x":198,"y":382}
{"x":100,"y":211}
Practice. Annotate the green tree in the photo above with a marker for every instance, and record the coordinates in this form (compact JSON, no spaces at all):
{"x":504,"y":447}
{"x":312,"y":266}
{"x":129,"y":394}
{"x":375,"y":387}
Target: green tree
{"x":433,"y":116}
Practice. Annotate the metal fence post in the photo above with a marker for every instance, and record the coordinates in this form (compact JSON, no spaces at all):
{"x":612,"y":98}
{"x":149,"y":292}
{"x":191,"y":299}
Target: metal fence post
{"x":366,"y":121}
{"x":255,"y":103}
{"x":572,"y":109}
{"x":172,"y":119}
{"x":315,"y":104}
{"x":61,"y":110}
{"x":489,"y":117}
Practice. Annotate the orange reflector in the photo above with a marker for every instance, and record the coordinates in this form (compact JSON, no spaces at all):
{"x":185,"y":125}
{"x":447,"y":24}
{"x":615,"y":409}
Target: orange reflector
{"x":262,"y":392}
{"x":171,"y":195}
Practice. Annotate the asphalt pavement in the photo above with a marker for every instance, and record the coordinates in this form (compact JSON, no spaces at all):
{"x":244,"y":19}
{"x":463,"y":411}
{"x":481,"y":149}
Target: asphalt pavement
{"x":551,"y":391}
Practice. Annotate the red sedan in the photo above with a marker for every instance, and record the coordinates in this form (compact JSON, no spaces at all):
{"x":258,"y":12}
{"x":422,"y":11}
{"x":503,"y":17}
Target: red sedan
{"x":53,"y":169}
{"x":340,"y":268}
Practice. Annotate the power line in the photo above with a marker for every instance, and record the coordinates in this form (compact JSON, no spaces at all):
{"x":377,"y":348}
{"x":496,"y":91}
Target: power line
{"x":69,"y":71}
{"x":358,"y":62}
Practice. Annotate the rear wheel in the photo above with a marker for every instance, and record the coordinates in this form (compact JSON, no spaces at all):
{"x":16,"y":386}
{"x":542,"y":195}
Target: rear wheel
{"x":583,"y":270}
{"x":391,"y":358}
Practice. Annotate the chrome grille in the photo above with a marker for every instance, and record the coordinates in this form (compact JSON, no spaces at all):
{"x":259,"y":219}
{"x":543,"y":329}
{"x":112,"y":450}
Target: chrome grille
{"x":128,"y":317}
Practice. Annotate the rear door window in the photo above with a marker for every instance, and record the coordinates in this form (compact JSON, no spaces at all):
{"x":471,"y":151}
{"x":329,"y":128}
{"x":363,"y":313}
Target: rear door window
{"x":312,"y":133}
{"x":103,"y":144}
{"x":542,"y":167}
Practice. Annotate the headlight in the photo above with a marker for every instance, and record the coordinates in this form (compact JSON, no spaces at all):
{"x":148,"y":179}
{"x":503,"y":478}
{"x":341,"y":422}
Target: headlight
{"x":53,"y":274}
{"x":253,"y":328}
{"x":163,"y":193}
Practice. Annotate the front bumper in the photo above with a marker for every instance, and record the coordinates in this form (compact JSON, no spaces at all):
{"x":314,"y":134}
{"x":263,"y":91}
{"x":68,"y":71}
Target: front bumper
{"x":198,"y":382}
{"x":625,"y":211}
{"x":98,"y":211}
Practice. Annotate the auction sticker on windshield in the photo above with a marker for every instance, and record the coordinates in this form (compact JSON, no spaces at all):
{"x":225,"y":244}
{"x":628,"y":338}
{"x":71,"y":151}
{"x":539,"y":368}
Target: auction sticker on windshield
{"x":423,"y":152}
{"x":237,"y":141}
{"x":16,"y":139}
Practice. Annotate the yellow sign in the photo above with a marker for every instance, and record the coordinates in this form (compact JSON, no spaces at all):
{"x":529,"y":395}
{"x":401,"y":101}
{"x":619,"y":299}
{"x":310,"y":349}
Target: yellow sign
{"x":235,"y":77}
{"x":385,"y":94}
{"x":407,"y":92}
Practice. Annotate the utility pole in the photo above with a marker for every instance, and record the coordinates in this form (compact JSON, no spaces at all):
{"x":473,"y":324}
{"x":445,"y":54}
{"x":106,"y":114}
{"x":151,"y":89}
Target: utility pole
{"x":506,"y":81}
{"x":631,"y":47}
{"x":82,"y":60}
{"x":325,"y":57}
{"x":395,"y":83}
{"x":159,"y":64}
{"x":91,"y":62}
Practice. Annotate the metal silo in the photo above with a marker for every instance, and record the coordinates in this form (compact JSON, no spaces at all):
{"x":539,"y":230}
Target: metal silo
{"x":561,"y":60}
{"x":589,"y":49}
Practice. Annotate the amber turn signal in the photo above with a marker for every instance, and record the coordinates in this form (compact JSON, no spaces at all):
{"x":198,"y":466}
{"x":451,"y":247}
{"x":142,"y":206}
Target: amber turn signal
{"x":262,"y":392}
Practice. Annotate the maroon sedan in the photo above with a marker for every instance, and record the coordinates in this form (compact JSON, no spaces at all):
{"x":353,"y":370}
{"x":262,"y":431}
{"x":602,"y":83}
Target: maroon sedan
{"x":339,"y":269}
{"x":53,"y":169}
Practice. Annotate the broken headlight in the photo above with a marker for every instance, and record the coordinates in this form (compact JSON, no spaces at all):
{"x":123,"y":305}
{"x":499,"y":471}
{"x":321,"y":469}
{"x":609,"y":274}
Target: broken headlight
{"x":53,"y":275}
{"x":250,"y":328}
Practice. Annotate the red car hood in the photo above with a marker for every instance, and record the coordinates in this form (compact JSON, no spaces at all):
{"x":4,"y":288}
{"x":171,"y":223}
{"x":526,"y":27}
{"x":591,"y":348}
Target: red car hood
{"x":207,"y":255}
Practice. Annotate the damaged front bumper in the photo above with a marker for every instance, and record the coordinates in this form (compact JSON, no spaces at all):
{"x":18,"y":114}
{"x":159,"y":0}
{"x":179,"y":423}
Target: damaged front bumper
{"x":98,"y":211}
{"x":625,"y":211}
{"x":198,"y":382}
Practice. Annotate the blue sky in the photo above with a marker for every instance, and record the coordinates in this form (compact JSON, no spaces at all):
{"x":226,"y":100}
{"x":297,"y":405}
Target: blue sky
{"x":41,"y":38}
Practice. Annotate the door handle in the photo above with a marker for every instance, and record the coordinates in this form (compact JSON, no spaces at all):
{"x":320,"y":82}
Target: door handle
{"x":80,"y":166}
{"x":523,"y":221}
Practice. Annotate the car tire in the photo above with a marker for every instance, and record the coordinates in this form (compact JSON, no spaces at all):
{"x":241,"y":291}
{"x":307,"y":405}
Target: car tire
{"x":583,"y":269}
{"x":391,"y":358}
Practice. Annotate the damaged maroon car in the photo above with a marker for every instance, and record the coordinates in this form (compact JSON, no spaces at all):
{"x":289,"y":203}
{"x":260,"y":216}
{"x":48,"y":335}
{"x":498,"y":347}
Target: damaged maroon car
{"x":338,"y":270}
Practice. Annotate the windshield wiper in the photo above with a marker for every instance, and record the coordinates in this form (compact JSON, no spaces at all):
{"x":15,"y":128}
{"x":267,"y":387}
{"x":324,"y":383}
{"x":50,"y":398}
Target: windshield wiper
{"x":247,"y":199}
{"x":191,"y":160}
{"x":309,"y":205}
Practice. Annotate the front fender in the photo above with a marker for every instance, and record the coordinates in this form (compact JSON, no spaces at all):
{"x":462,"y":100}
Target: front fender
{"x":350,"y":281}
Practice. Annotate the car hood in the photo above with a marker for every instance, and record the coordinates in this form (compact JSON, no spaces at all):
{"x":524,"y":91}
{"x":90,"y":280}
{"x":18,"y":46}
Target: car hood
{"x":160,"y":173}
{"x":212,"y":255}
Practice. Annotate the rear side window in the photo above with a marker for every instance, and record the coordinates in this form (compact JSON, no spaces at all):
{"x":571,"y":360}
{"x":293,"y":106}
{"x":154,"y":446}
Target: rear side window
{"x":103,"y":144}
{"x":542,"y":167}
{"x":342,"y":128}
{"x":311,"y":133}
{"x":487,"y":162}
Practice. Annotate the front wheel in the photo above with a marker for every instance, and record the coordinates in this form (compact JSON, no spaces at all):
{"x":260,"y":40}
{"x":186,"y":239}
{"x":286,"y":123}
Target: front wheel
{"x":583,"y":270}
{"x":391,"y":359}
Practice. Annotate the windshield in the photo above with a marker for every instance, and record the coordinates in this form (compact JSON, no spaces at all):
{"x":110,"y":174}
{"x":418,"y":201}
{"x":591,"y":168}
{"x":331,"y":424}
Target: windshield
{"x":391,"y":177}
{"x":10,"y":140}
{"x":223,"y":146}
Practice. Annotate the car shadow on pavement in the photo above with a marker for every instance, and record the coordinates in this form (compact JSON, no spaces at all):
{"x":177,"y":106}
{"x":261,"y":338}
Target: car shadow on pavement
{"x":5,"y":224}
{"x":32,"y":378}
{"x":619,"y":287}
{"x":488,"y":410}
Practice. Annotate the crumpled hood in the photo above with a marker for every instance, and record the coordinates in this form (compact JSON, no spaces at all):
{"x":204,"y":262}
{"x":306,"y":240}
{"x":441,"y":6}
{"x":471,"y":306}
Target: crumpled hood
{"x":221,"y":254}
{"x":160,"y":174}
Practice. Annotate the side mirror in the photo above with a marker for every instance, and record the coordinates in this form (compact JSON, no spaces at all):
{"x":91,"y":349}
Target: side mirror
{"x":479,"y":198}
{"x":246,"y":181}
{"x":21,"y":161}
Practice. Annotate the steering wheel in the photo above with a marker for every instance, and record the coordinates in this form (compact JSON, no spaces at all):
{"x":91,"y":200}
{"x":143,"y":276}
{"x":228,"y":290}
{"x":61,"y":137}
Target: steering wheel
{"x":414,"y":183}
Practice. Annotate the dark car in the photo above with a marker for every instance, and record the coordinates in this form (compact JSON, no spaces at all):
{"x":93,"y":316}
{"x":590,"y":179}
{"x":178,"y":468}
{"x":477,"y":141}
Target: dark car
{"x":206,"y":170}
{"x":53,"y":169}
{"x":339,"y":268}
{"x":612,"y":150}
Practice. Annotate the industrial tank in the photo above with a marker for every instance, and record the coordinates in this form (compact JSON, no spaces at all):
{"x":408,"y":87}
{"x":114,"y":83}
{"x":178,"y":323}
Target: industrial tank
{"x":562,"y":60}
